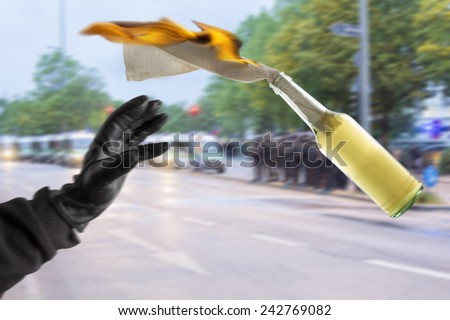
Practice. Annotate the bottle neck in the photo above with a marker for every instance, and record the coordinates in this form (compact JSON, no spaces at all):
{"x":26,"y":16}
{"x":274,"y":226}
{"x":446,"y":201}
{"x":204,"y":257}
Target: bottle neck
{"x":308,"y":108}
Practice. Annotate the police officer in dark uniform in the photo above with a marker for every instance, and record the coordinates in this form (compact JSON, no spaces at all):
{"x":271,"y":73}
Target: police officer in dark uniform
{"x":32,"y":231}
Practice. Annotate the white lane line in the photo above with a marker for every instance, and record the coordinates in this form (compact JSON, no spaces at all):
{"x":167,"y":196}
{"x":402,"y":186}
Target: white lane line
{"x":412,"y":269}
{"x":200,"y":222}
{"x":178,"y":258}
{"x":271,"y":239}
{"x":125,"y":235}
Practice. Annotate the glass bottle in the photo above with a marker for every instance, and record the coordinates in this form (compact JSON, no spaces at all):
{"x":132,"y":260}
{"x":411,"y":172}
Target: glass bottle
{"x":355,"y":152}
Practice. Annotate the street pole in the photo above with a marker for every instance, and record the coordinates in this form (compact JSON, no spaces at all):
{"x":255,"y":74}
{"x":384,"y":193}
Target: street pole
{"x":62,"y":25}
{"x":364,"y":105}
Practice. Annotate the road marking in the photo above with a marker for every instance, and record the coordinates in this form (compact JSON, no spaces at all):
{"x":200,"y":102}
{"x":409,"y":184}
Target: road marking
{"x":412,"y":269}
{"x":267,"y":238}
{"x":177,"y":258}
{"x":125,"y":235}
{"x":200,"y":222}
{"x":133,"y":206}
{"x":182,"y":260}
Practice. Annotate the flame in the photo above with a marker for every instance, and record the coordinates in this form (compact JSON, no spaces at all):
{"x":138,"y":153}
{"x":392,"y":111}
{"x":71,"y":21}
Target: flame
{"x":167,"y":32}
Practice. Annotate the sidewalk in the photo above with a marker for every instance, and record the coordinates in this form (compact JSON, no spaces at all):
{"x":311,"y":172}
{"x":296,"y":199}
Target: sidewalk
{"x":442,"y":189}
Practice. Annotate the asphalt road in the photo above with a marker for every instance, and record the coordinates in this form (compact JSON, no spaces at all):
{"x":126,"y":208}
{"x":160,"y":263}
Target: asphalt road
{"x":174,"y":234}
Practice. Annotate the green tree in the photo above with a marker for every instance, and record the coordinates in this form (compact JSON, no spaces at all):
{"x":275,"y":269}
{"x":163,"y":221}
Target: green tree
{"x":53,"y":71}
{"x":227,"y":107}
{"x":238,"y":107}
{"x":68,"y":96}
{"x":409,"y":46}
{"x":180,"y":119}
{"x":323,"y":63}
{"x":396,"y":79}
{"x":3,"y":107}
{"x":314,"y":57}
{"x":18,"y":117}
{"x":268,"y":111}
{"x":432,"y":27}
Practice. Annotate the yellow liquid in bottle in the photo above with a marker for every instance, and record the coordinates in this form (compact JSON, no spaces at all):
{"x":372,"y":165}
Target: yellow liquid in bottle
{"x":367,"y":163}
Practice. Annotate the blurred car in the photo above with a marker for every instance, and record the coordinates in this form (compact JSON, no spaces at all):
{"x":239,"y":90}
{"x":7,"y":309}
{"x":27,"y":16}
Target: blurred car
{"x":8,"y":148}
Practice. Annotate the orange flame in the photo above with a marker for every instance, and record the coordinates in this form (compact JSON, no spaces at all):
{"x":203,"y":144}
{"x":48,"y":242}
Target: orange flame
{"x":166,"y":32}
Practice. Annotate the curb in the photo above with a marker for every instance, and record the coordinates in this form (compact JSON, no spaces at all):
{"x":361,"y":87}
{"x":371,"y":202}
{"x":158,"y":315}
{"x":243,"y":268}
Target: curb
{"x":337,"y":193}
{"x":430,"y":207}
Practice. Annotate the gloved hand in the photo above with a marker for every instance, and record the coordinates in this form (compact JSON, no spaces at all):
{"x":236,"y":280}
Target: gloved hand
{"x":114,"y":152}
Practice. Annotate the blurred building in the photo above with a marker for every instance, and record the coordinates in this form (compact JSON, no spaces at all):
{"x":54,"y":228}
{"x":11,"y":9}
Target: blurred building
{"x":432,"y":125}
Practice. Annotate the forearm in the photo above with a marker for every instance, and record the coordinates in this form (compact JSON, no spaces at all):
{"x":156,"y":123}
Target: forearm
{"x":31,"y":232}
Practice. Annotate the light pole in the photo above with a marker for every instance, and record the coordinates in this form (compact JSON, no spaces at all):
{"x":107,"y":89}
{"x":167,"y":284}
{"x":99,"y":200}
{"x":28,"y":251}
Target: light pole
{"x":360,"y":31}
{"x":62,"y":25}
{"x":364,"y":69}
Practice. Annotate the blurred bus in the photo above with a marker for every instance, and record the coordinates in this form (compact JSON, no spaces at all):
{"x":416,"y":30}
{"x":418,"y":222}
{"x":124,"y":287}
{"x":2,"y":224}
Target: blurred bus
{"x":45,"y":147}
{"x":25,"y":148}
{"x":73,"y":147}
{"x":67,"y":148}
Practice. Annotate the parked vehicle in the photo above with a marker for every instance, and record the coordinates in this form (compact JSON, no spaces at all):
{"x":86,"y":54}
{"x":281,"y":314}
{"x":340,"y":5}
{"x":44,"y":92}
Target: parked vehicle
{"x":8,"y":148}
{"x":74,"y":146}
{"x":44,"y":149}
{"x":66,"y":148}
{"x":25,"y":148}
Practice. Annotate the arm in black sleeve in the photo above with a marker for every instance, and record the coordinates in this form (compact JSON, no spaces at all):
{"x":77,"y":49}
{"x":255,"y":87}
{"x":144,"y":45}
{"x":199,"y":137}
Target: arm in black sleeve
{"x":30,"y":234}
{"x":32,"y":231}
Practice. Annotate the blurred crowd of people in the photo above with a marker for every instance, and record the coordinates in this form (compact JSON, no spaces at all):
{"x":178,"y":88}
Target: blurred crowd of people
{"x":295,"y":160}
{"x":415,"y":158}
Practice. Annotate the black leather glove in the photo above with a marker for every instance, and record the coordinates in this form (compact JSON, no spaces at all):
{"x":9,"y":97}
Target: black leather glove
{"x":114,"y":152}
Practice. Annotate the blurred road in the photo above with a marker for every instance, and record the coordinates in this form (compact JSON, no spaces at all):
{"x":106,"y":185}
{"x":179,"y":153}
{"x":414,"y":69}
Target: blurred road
{"x":174,"y":234}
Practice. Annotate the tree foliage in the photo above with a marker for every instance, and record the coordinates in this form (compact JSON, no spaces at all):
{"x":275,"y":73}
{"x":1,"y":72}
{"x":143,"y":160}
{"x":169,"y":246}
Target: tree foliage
{"x":67,"y":96}
{"x":409,"y":46}
{"x":432,"y":28}
{"x":180,"y":120}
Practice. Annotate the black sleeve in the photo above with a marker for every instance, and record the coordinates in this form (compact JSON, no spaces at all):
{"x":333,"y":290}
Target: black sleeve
{"x":30,"y":234}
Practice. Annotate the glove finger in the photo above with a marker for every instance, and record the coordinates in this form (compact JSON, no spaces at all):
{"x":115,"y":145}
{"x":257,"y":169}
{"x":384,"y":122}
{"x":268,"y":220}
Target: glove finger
{"x":120,"y":126}
{"x":128,"y":117}
{"x":114,"y":167}
{"x":148,"y":114}
{"x":137,"y":116}
{"x":149,"y":127}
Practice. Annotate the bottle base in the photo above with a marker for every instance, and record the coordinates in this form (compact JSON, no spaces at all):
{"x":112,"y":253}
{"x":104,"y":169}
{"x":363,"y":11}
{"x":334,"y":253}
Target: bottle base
{"x":409,"y":204}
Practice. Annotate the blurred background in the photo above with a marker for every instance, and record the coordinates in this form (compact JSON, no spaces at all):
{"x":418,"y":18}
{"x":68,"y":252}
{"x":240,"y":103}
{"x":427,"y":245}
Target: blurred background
{"x":234,"y":231}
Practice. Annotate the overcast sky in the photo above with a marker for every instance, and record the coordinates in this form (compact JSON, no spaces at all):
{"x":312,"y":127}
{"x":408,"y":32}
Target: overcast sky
{"x":31,"y":28}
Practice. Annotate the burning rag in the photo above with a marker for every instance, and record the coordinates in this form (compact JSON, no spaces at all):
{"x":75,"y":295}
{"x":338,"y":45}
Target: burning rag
{"x":144,"y":62}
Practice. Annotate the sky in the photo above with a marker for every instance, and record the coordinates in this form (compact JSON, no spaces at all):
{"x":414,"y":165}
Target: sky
{"x":32,"y":28}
